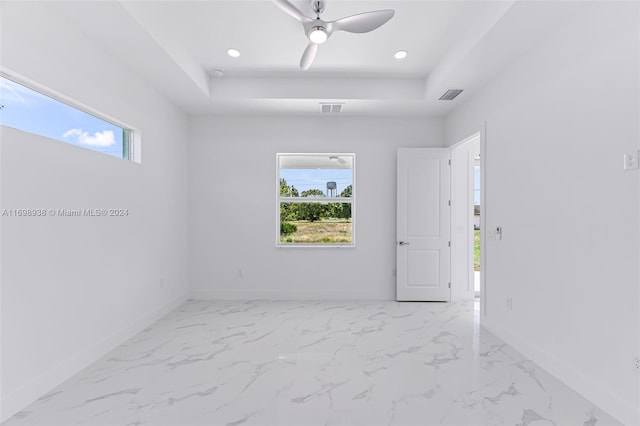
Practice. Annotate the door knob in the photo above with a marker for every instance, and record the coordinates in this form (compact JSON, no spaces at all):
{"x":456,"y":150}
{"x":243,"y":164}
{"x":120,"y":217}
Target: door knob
{"x":403,"y":243}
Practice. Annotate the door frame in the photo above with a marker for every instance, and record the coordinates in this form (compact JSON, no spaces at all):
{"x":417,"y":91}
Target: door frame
{"x":482,"y":133}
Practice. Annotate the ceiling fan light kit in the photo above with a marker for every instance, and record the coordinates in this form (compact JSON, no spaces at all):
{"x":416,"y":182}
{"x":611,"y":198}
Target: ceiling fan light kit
{"x":318,"y":35}
{"x":318,"y":30}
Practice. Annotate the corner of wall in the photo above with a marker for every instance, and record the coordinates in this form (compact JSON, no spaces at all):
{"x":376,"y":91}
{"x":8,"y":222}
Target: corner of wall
{"x":15,"y":401}
{"x":566,"y":373}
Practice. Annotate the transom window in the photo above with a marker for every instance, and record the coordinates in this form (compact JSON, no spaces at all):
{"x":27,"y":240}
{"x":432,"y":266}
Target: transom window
{"x":315,"y":199}
{"x":32,"y":111}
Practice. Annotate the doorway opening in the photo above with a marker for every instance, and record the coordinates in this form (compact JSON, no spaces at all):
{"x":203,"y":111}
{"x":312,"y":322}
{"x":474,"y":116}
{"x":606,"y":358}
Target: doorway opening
{"x":476,"y":226}
{"x":465,"y":218}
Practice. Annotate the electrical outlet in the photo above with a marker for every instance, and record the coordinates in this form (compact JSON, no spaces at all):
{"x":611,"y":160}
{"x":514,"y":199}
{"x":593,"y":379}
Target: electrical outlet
{"x":636,"y":363}
{"x":631,"y":161}
{"x":239,"y":273}
{"x":509,"y":301}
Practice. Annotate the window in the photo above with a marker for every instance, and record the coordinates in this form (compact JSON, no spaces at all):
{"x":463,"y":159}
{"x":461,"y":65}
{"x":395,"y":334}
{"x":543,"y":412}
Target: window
{"x":32,"y":111}
{"x":315,"y":200}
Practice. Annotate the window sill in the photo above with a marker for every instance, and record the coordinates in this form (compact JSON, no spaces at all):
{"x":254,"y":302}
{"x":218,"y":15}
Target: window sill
{"x":321,"y":246}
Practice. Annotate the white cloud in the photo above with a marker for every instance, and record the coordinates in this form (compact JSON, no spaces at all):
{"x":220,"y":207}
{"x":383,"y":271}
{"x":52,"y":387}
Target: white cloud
{"x":72,"y":132}
{"x":103,"y":138}
{"x":13,"y":93}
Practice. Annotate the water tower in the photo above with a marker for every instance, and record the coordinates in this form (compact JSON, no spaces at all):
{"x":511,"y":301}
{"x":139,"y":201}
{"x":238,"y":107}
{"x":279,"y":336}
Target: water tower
{"x":331,"y":189}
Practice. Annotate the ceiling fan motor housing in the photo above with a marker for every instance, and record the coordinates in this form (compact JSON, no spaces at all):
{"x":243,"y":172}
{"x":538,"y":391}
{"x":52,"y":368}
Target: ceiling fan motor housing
{"x":318,"y":31}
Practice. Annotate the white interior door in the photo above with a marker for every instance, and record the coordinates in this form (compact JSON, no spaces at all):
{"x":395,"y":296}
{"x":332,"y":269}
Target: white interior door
{"x":423,"y":254}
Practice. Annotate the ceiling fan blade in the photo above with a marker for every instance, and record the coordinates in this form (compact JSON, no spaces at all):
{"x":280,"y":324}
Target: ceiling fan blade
{"x":363,"y":22}
{"x":308,"y":56}
{"x":288,"y":8}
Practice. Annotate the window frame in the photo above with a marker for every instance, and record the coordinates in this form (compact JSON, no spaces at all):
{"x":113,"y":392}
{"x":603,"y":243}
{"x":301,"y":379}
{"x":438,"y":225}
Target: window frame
{"x":131,"y":149}
{"x":351,"y":200}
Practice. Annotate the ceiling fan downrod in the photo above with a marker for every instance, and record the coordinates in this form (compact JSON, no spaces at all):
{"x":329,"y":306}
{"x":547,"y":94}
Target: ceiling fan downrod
{"x":317,"y":6}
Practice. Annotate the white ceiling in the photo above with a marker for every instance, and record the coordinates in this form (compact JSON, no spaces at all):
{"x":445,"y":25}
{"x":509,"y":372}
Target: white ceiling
{"x":175,"y":45}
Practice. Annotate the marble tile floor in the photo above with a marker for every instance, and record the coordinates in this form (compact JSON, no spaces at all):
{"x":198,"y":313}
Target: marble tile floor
{"x":314,"y":363}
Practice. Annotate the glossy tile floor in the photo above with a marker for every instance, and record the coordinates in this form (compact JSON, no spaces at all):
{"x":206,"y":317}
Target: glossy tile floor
{"x":314,"y":363}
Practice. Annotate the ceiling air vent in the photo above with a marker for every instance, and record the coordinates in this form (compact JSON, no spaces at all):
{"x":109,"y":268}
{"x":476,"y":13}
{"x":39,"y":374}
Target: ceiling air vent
{"x":450,"y":94}
{"x":331,"y":108}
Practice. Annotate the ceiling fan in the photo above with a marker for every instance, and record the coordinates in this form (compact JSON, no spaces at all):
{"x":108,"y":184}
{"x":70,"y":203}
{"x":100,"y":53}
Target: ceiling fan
{"x":318,"y":31}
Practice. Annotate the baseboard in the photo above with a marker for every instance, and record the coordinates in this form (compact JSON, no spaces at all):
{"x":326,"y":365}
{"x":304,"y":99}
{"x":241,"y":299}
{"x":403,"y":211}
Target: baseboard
{"x":15,"y":401}
{"x":595,"y":392}
{"x":286,"y":294}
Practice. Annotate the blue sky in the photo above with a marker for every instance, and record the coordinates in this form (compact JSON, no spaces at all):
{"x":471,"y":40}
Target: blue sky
{"x":305,"y":179}
{"x":28,"y":110}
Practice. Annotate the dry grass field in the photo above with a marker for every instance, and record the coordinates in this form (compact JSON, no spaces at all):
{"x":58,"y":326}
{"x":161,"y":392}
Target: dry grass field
{"x":323,"y":231}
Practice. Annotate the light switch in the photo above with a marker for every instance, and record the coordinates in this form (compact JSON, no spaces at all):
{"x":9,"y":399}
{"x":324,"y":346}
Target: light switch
{"x":494,"y":233}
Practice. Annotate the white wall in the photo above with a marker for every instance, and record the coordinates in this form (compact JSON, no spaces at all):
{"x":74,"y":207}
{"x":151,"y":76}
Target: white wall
{"x":558,"y":122}
{"x":74,"y":287}
{"x":233,"y":211}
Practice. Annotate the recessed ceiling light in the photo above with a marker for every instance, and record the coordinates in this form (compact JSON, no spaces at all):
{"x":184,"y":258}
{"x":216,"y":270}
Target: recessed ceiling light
{"x":400,"y":54}
{"x":234,"y":53}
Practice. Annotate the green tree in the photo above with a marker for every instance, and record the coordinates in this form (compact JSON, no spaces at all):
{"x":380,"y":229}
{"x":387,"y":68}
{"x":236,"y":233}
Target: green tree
{"x":343,"y":210}
{"x":288,"y":211}
{"x":347,"y":192}
{"x":332,"y":210}
{"x":312,"y":193}
{"x":311,"y":211}
{"x":286,"y":190}
{"x":340,"y":210}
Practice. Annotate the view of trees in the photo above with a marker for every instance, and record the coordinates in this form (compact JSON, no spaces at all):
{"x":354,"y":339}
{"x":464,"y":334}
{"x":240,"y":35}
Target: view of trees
{"x":311,"y":211}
